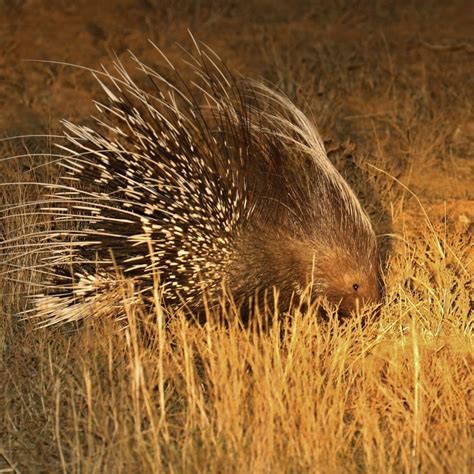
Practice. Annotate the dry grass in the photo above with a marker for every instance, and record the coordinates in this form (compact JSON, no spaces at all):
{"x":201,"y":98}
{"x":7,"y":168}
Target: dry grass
{"x":391,"y":395}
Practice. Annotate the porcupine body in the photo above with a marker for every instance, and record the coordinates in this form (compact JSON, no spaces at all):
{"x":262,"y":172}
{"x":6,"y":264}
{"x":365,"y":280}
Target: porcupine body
{"x":211,"y":184}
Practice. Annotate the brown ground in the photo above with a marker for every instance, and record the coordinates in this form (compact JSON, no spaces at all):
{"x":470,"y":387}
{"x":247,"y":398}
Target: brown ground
{"x":388,"y":86}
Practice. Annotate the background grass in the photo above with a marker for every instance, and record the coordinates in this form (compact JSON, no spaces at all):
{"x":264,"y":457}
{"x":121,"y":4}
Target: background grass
{"x":391,"y":89}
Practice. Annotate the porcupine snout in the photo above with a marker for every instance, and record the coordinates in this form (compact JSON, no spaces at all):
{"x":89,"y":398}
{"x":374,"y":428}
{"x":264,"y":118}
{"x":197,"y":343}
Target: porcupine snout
{"x":347,"y":281}
{"x":358,"y":290}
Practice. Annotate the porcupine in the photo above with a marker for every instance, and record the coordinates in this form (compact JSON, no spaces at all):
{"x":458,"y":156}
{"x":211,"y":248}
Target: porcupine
{"x":214,"y":184}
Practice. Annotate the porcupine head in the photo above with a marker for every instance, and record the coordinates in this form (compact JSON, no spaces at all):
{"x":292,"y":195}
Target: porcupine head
{"x":308,"y":236}
{"x":214,"y":182}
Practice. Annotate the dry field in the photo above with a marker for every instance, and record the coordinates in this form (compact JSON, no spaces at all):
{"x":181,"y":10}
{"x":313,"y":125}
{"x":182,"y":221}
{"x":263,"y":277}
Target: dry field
{"x":391,"y":89}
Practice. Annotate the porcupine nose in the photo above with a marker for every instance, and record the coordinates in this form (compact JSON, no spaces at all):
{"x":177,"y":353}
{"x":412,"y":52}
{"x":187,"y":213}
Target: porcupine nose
{"x":362,"y":293}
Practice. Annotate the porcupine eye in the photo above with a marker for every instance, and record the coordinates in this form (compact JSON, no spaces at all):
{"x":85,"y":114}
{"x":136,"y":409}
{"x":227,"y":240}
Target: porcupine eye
{"x":355,"y":286}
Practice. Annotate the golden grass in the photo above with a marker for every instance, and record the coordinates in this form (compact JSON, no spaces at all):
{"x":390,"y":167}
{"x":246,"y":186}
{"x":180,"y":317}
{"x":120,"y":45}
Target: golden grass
{"x":391,"y":393}
{"x":389,"y":396}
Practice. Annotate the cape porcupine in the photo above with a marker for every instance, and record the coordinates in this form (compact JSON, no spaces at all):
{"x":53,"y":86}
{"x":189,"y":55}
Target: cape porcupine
{"x":211,"y":183}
